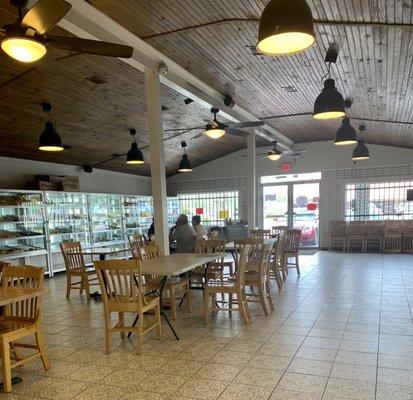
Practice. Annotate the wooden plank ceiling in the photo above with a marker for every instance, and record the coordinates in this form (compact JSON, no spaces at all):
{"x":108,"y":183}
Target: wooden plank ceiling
{"x":374,"y":66}
{"x":94,"y":118}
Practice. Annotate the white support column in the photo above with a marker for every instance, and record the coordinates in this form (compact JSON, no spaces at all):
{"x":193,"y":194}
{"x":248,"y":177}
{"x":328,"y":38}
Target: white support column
{"x":156,"y":147}
{"x":251,"y":179}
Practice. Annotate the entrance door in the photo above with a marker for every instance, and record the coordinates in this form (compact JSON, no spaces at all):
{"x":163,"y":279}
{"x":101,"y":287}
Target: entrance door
{"x":294,"y":205}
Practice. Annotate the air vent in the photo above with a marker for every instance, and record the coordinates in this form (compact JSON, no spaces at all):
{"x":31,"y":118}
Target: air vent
{"x":97,"y":80}
{"x":289,"y":89}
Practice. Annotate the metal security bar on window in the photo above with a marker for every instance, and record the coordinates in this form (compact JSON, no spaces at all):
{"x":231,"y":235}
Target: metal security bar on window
{"x":378,"y":201}
{"x":214,"y":208}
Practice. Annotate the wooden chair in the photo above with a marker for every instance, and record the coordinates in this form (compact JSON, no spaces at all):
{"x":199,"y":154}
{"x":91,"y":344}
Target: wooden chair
{"x":136,"y":241}
{"x":279,"y":230}
{"x":337,"y":235}
{"x":291,"y":249}
{"x":20,"y":320}
{"x":393,"y":237}
{"x":76,"y":267}
{"x":356,"y":235}
{"x":408,"y":236}
{"x":235,"y":285}
{"x":3,"y":265}
{"x":275,"y":263}
{"x":240,"y":244}
{"x":260,"y":280}
{"x":121,"y":283}
{"x":374,"y":235}
{"x":260,"y":233}
{"x":175,"y":286}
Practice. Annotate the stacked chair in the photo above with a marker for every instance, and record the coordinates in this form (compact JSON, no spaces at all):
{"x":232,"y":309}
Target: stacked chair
{"x":337,"y":235}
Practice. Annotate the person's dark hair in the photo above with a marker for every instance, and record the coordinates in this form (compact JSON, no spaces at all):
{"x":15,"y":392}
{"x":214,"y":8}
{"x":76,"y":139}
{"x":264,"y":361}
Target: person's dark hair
{"x":196,"y":218}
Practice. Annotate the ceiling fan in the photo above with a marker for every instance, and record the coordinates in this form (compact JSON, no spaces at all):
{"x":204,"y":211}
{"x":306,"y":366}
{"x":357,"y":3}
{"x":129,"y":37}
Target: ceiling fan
{"x":215,"y":129}
{"x":26,"y":39}
{"x":275,"y":153}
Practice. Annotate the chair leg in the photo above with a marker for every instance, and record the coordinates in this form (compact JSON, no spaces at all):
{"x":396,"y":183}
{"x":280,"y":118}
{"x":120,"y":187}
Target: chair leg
{"x":245,"y":301}
{"x":42,"y":348}
{"x":68,"y":285}
{"x":188,"y":298}
{"x":268,"y":287}
{"x":108,"y":334}
{"x":5,"y":364}
{"x":241,"y":306}
{"x":122,"y":324}
{"x":158,"y":320}
{"x":139,"y":334}
{"x":230,"y":303}
{"x":277,"y":275}
{"x":173,"y":303}
{"x":86,"y":285}
{"x":261,"y":290}
{"x":206,"y":306}
{"x":297,"y":264}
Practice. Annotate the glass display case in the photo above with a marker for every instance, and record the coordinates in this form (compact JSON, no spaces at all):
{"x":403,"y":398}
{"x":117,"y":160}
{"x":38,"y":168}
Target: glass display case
{"x":138,"y":213}
{"x":22,"y":226}
{"x":106,"y":222}
{"x":173,"y":210}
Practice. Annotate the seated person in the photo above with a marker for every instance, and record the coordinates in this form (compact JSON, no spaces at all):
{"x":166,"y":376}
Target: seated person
{"x":183,"y":235}
{"x":199,"y":229}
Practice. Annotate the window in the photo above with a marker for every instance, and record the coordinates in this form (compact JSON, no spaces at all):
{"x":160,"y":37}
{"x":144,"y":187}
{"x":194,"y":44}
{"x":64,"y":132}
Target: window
{"x":214,"y":208}
{"x":378,"y":201}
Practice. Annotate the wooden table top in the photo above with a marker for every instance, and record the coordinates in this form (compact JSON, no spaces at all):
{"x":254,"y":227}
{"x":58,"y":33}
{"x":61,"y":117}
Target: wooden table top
{"x":177,"y":263}
{"x":11,"y":295}
{"x":230,"y":246}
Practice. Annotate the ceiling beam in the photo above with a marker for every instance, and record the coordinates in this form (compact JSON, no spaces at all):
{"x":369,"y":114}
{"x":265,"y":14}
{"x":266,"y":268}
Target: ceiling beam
{"x":87,"y":22}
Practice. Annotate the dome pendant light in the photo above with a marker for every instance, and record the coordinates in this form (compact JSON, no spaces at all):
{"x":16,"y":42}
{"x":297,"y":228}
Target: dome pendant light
{"x":274,"y":154}
{"x":49,"y":139}
{"x":134,"y":156}
{"x":346,"y":134}
{"x":361,"y":152}
{"x":214,"y":129}
{"x":286,"y":27}
{"x":185,"y":165}
{"x":23,"y":48}
{"x":330,"y":103}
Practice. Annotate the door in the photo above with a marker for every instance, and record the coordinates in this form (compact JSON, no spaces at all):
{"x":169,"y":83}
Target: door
{"x":275,"y":206}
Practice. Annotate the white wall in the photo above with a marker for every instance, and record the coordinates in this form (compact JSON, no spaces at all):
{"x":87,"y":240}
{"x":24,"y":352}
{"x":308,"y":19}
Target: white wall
{"x":229,"y":173}
{"x":15,"y":173}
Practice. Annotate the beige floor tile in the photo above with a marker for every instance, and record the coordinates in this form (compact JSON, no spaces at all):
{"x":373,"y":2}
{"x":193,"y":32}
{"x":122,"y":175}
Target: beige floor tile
{"x":181,"y":367}
{"x":391,"y":376}
{"x":291,"y":395}
{"x":349,"y":390}
{"x":310,"y":367}
{"x":397,"y":362}
{"x":141,"y":395}
{"x":354,"y":372}
{"x":258,"y":377}
{"x":199,"y":388}
{"x":159,"y":383}
{"x":219,"y":372}
{"x":231,"y":358}
{"x":303,"y":383}
{"x":100,"y":392}
{"x":394,"y":392}
{"x":352,"y":357}
{"x":312,"y":353}
{"x":244,"y":346}
{"x":245,"y":392}
{"x":267,"y":362}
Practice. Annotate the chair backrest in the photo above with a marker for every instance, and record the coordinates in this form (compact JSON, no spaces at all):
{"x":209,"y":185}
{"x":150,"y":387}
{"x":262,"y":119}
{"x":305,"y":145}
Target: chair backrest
{"x":264,"y":260}
{"x":292,"y":240}
{"x":338,"y":228}
{"x":211,"y":246}
{"x":121,"y":284}
{"x":374,"y":228}
{"x":356,"y":228}
{"x":3,"y":264}
{"x":23,"y":277}
{"x":137,"y":239}
{"x":260,"y":233}
{"x":279,"y":230}
{"x":243,"y":260}
{"x":277,"y":250}
{"x":72,"y":256}
{"x":148,"y":252}
{"x":392,"y":227}
{"x":239,"y":245}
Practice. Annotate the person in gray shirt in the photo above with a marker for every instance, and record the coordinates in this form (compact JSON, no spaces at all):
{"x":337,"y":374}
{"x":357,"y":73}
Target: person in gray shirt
{"x":183,"y":235}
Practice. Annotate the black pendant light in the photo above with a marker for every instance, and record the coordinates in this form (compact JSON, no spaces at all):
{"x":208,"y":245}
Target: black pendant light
{"x":49,"y":139}
{"x":185,"y":164}
{"x":346,"y":134}
{"x":286,"y":27}
{"x":361,"y":152}
{"x":134,"y":155}
{"x":330,"y":102}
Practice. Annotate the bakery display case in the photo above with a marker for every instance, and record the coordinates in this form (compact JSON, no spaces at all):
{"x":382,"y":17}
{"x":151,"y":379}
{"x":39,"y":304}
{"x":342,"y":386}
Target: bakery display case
{"x":137,"y":213}
{"x":106,"y":220}
{"x":173,"y":210}
{"x":22,"y":227}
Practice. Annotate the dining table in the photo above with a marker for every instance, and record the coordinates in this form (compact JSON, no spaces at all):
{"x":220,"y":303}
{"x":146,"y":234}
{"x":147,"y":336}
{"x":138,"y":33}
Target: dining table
{"x":174,"y":265}
{"x":13,"y":295}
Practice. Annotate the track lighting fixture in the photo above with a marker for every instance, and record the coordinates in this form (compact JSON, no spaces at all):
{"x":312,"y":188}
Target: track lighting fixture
{"x":346,"y":134}
{"x":49,"y":139}
{"x":185,"y":164}
{"x":361,"y":152}
{"x":134,"y":155}
{"x":286,"y":27}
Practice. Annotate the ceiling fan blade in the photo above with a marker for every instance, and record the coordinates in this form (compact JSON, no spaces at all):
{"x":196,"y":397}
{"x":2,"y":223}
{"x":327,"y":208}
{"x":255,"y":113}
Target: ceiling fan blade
{"x":45,"y":14}
{"x":249,"y":124}
{"x":90,"y":46}
{"x":236,"y":132}
{"x":197,"y":136}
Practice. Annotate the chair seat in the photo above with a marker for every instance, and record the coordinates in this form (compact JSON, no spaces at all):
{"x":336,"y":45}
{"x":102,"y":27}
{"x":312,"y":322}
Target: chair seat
{"x":12,"y":325}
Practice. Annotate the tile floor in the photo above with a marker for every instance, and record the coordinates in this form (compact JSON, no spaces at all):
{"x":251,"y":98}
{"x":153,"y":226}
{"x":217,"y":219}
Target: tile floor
{"x":343,"y":330}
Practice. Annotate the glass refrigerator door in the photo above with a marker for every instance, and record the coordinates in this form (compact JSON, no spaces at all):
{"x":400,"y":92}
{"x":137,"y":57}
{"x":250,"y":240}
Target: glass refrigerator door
{"x":68,"y":220}
{"x":173,"y":210}
{"x":22,"y":228}
{"x":106,"y":220}
{"x":138,"y":212}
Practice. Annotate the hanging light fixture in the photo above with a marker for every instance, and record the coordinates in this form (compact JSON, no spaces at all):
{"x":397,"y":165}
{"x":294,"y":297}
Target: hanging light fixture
{"x":214,"y":129}
{"x":49,"y":139}
{"x":185,"y":164}
{"x":286,"y":27}
{"x":361,"y":152}
{"x":346,"y":134}
{"x":134,"y":155}
{"x":23,"y":48}
{"x":274,"y":154}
